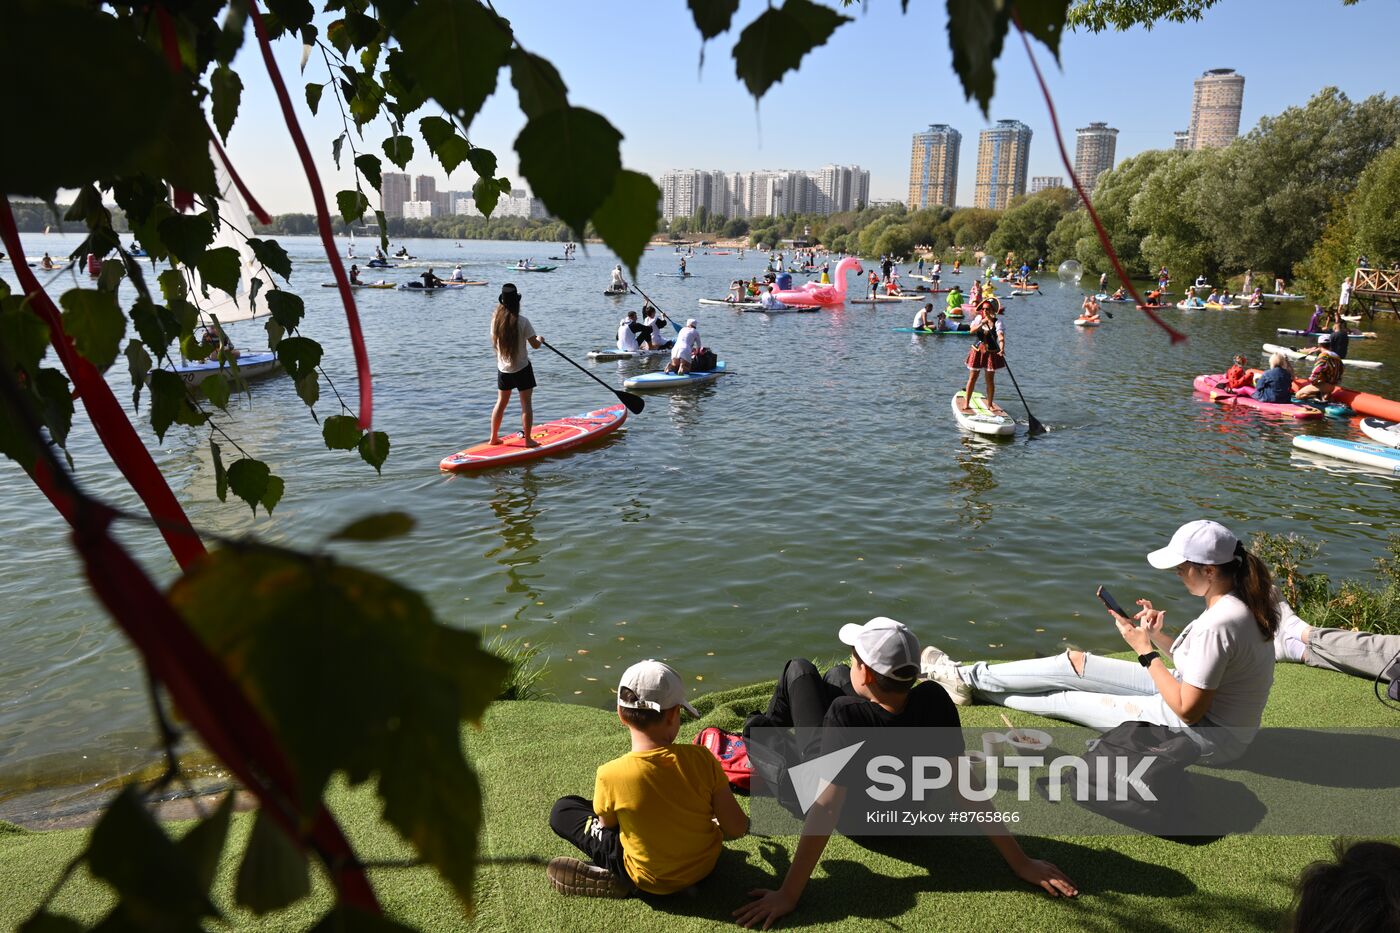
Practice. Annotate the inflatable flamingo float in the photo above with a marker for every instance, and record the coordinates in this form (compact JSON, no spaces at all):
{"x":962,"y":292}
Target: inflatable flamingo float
{"x":813,"y":294}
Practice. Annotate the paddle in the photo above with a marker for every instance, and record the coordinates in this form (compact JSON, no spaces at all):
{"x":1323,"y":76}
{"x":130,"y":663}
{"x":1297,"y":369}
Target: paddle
{"x":1036,"y":426}
{"x":672,"y":321}
{"x":634,"y":403}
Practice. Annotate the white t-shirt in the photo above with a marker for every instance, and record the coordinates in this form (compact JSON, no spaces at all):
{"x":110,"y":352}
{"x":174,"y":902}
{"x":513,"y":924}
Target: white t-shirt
{"x":522,"y":355}
{"x":658,"y":329}
{"x":626,"y":340}
{"x":1224,"y":650}
{"x":686,"y":342}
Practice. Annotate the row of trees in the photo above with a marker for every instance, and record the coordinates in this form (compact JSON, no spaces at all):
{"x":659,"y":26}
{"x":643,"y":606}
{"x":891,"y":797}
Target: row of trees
{"x":455,"y":227}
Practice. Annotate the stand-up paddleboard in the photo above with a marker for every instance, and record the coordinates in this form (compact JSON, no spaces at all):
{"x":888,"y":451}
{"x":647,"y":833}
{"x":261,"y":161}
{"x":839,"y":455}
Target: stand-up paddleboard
{"x":250,"y":366}
{"x":652,"y":381}
{"x":929,"y":330}
{"x":1381,"y":431}
{"x":1361,"y":452}
{"x":981,"y":419}
{"x":728,"y":304}
{"x":788,"y":309}
{"x":1082,"y":322}
{"x":444,"y":287}
{"x":1213,"y":386}
{"x":616,"y":292}
{"x":1354,"y":335}
{"x":1282,"y":296}
{"x":1293,"y":354}
{"x":885,"y":299}
{"x":674,"y":275}
{"x":554,"y":437}
{"x":380,"y":284}
{"x":517,"y":268}
{"x":603,"y":356}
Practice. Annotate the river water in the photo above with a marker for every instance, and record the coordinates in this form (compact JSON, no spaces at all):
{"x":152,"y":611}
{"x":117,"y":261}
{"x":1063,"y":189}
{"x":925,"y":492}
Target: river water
{"x":726,"y":528}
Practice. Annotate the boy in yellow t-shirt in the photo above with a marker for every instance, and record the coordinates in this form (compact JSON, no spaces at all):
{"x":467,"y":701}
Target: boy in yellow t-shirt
{"x":659,"y":814}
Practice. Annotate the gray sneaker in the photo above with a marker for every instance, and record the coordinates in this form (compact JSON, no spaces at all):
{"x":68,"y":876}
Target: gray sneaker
{"x":580,"y":879}
{"x":943,"y":670}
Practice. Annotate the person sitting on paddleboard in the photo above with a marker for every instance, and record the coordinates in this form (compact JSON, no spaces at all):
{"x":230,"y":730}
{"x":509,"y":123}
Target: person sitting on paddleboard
{"x":943,"y":325}
{"x":684,"y":348}
{"x":46,"y":263}
{"x":736,"y":291}
{"x":1090,"y":310}
{"x":955,"y":300}
{"x":957,"y":266}
{"x":1154,"y":297}
{"x":1256,"y":297}
{"x":430,"y":280}
{"x":657,"y":323}
{"x":512,"y":335}
{"x":1237,"y":376}
{"x":1341,"y":337}
{"x":1318,"y":321}
{"x":924,"y":319}
{"x":1275,"y":384}
{"x":629,"y":332}
{"x":1213,"y":298}
{"x":354,"y":274}
{"x":987,"y":355}
{"x":457,"y":275}
{"x":1326,"y":375}
{"x":769,"y":301}
{"x":1119,"y":295}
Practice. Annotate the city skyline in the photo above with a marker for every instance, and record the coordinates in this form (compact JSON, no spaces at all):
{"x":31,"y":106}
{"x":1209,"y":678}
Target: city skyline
{"x":763,"y":193}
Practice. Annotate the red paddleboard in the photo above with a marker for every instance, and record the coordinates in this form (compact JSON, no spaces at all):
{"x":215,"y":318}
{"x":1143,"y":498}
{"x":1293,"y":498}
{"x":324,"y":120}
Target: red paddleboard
{"x":554,"y":437}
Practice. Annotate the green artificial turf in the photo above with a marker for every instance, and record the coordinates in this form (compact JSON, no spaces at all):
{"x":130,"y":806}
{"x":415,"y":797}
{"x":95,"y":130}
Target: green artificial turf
{"x":529,"y":753}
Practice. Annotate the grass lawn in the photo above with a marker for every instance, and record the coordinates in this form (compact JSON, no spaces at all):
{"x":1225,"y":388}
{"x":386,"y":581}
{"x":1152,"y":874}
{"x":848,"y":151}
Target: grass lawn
{"x":529,"y":753}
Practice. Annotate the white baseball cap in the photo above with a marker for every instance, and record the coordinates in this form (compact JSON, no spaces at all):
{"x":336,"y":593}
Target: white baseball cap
{"x":884,"y":645}
{"x":656,"y":685}
{"x":1324,"y":340}
{"x":691,"y":322}
{"x":1200,"y":542}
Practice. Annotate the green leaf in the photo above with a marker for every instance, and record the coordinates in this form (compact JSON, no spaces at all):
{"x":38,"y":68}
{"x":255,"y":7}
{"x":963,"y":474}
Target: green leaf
{"x":220,"y":474}
{"x":374,"y":449}
{"x":216,"y":390}
{"x":96,"y":324}
{"x":485,"y":194}
{"x":313,"y":96}
{"x":309,"y":389}
{"x":138,"y":364}
{"x":443,"y":141}
{"x":352,"y":204}
{"x":186,"y":236}
{"x":1045,"y":20}
{"x":570,"y":157}
{"x":365,"y":102}
{"x":712,"y":17}
{"x":273,"y":873}
{"x":293,"y":14}
{"x":170,"y":403}
{"x":383,"y":223}
{"x":341,"y":432}
{"x":275,"y":332}
{"x":113,"y":271}
{"x":776,"y":42}
{"x":369,"y":167}
{"x":335,"y":149}
{"x":628,"y":218}
{"x":226,"y":90}
{"x":976,"y":31}
{"x":220,"y":267}
{"x":399,"y":149}
{"x":537,"y":84}
{"x":24,"y":338}
{"x":338,"y":36}
{"x":483,"y":162}
{"x":273,"y":493}
{"x":302,"y":626}
{"x":271,"y":254}
{"x":160,"y":889}
{"x":299,"y":356}
{"x":379,"y":527}
{"x":172,"y":284}
{"x":363,"y":29}
{"x":202,"y":846}
{"x":286,"y":308}
{"x":454,"y":50}
{"x":248,"y":480}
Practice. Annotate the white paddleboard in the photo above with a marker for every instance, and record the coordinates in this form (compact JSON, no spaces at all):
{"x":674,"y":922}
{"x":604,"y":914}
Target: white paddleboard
{"x":603,"y":356}
{"x":1295,"y":355}
{"x":672,"y":380}
{"x":1361,"y":452}
{"x":981,"y":419}
{"x":1381,"y":431}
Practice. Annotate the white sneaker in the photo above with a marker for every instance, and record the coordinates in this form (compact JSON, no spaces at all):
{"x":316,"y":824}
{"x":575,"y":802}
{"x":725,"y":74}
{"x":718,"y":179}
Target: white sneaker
{"x":943,"y":670}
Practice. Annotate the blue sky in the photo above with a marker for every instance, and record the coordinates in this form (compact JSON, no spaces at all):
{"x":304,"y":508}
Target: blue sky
{"x":859,"y":98}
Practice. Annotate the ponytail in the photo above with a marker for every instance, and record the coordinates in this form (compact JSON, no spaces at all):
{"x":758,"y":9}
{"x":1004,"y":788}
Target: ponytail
{"x":505,"y":328}
{"x":1255,"y":587}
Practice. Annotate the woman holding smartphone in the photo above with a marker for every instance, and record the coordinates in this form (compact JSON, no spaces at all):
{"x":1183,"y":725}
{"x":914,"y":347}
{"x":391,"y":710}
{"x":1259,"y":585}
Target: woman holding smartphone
{"x":1222,"y":660}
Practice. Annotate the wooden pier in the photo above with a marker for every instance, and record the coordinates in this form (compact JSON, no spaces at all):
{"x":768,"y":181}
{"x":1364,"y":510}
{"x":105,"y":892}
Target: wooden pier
{"x":1374,"y":291}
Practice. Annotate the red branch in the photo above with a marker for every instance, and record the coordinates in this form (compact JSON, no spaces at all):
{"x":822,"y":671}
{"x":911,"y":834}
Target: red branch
{"x":323,"y":219}
{"x":1176,"y":336}
{"x":117,"y":435}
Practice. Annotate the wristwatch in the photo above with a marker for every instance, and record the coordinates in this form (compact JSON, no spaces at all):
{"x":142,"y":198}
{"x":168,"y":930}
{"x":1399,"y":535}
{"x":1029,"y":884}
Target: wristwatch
{"x":1146,"y":659}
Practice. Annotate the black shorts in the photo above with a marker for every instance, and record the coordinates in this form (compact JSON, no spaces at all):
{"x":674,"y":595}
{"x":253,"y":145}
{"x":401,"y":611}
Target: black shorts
{"x":524,"y":379}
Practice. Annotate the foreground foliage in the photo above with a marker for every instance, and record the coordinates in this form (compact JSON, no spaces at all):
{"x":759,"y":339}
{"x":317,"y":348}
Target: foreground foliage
{"x":1362,"y":605}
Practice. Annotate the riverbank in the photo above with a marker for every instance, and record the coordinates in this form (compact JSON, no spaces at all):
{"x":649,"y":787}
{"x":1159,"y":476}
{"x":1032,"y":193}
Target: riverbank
{"x":1142,"y":883}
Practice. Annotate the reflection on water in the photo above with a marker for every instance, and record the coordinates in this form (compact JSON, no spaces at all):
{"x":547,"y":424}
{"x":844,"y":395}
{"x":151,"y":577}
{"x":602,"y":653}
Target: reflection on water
{"x":518,"y":553}
{"x":976,"y":479}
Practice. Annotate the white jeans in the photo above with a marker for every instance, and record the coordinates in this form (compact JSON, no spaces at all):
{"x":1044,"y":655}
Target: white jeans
{"x":1109,"y":693}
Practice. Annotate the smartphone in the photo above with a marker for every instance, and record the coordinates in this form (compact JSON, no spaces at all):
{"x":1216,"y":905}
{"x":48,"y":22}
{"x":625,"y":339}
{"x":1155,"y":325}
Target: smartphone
{"x":1112,"y":603}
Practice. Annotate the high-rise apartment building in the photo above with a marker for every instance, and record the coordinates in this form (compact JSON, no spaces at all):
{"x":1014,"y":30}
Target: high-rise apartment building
{"x":1215,"y":109}
{"x":933,"y":167}
{"x":424,"y":188}
{"x":1041,"y":182}
{"x":417,"y":210}
{"x":1181,"y":139}
{"x":393,"y":192}
{"x":1094,"y":149}
{"x":1003,"y":156}
{"x":763,"y":193}
{"x":842,"y":187}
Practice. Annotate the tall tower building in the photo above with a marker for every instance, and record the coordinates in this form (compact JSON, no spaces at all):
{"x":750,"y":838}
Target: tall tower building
{"x":1093,"y":152}
{"x":394,"y":191}
{"x":1215,"y":109}
{"x":1181,"y":139}
{"x":424,"y":188}
{"x":933,"y":167}
{"x":1003,"y":156}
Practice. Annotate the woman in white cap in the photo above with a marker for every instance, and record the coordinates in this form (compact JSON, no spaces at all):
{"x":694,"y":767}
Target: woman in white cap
{"x":512,"y":335}
{"x":684,"y":348}
{"x":1223,"y":659}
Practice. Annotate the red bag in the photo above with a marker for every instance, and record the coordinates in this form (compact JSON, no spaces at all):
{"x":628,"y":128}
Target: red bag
{"x":732,"y":752}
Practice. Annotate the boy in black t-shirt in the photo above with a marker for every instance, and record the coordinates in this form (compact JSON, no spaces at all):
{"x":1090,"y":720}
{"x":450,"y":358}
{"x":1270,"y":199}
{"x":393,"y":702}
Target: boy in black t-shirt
{"x":879,"y":688}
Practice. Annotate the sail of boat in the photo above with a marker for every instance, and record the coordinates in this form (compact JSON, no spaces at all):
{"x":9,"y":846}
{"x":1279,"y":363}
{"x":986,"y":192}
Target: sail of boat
{"x":234,"y":231}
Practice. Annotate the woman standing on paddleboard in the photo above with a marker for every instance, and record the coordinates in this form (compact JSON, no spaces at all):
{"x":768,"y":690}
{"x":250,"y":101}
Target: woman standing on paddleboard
{"x":512,"y":335}
{"x":987,"y":355}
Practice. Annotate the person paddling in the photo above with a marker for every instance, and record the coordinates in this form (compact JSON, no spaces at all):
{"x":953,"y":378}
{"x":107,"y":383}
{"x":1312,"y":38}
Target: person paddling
{"x":430,"y":280}
{"x":987,"y":355}
{"x":924,"y":320}
{"x":512,"y":335}
{"x":619,"y":284}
